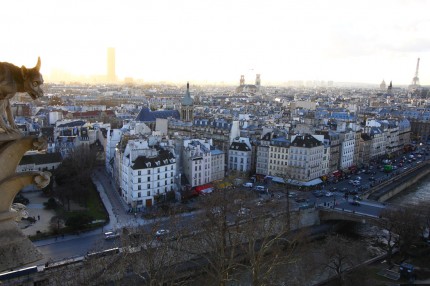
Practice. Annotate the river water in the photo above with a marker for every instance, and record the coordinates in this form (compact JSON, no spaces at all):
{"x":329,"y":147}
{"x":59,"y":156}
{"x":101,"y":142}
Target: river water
{"x":414,"y":194}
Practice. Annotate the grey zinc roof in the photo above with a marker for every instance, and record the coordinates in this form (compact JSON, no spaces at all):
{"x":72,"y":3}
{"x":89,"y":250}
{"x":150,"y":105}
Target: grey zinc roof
{"x":41,"y":159}
{"x":239,"y":146}
{"x":72,"y":124}
{"x":216,"y":152}
{"x":146,"y":115}
{"x":187,"y":100}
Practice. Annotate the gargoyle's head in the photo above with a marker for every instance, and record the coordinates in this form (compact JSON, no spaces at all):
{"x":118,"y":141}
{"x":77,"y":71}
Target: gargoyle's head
{"x":33,"y":80}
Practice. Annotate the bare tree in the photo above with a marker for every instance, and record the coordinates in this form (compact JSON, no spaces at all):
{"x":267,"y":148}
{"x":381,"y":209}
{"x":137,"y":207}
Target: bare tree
{"x":338,"y":255}
{"x":267,"y":244}
{"x":286,"y":177}
{"x":218,"y":238}
{"x":157,"y":258}
{"x":423,"y":212}
{"x":403,"y":225}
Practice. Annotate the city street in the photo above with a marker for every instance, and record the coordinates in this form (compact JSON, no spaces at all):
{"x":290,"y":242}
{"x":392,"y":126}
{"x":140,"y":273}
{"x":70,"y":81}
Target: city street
{"x":78,"y":245}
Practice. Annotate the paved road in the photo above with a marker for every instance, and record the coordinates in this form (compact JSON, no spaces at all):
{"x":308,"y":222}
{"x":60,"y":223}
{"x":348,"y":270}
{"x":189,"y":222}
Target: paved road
{"x":73,"y":245}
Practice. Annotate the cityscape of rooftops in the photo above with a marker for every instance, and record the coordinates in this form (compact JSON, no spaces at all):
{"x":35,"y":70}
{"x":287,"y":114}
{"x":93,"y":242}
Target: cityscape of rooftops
{"x":224,"y":142}
{"x":209,"y":42}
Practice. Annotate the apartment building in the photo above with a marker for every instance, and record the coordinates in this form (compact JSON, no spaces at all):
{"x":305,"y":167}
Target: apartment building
{"x":148,"y":173}
{"x":347,"y":146}
{"x":262,"y":160}
{"x":305,"y":158}
{"x":202,"y":162}
{"x":278,"y":157}
{"x":332,"y":139}
{"x":240,"y":155}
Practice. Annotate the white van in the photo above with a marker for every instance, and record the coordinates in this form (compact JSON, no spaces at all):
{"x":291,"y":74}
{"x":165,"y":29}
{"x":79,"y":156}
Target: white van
{"x":248,"y":185}
{"x":260,"y":188}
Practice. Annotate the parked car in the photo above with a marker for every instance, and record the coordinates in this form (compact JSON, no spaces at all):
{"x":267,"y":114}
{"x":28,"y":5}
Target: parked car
{"x":161,"y":232}
{"x":356,"y":183}
{"x":243,"y":212}
{"x":248,"y":185}
{"x":300,"y":199}
{"x":305,"y":206}
{"x":354,"y":203}
{"x":260,"y":188}
{"x":111,"y":235}
{"x":328,"y":194}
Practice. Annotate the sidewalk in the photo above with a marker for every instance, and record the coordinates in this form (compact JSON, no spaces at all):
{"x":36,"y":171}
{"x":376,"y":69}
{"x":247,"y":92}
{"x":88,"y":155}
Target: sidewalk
{"x":116,"y":220}
{"x":36,"y":209}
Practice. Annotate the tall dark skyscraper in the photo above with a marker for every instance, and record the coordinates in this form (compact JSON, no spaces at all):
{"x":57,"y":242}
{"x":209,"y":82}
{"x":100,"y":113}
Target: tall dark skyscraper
{"x":111,"y":76}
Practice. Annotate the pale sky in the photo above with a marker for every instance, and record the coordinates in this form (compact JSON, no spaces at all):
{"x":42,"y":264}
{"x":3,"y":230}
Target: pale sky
{"x":218,"y":40}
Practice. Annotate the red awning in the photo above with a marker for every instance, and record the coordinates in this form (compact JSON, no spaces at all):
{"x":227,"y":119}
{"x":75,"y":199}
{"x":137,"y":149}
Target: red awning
{"x":337,"y":173}
{"x":201,"y":188}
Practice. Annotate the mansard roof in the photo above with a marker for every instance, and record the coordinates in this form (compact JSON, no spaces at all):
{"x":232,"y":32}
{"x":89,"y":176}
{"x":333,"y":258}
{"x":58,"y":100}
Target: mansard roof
{"x":365,"y":137}
{"x":280,"y":141}
{"x":306,"y":141}
{"x":75,"y":123}
{"x":41,"y":159}
{"x":239,"y":146}
{"x":375,"y":130}
{"x":164,"y":158}
{"x":267,"y":136}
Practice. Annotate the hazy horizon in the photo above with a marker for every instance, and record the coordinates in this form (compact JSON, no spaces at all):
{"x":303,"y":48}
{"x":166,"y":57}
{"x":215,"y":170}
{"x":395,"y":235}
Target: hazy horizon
{"x":217,"y":41}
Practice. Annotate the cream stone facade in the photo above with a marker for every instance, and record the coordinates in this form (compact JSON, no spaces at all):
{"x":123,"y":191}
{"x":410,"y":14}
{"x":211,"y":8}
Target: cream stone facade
{"x":305,"y":158}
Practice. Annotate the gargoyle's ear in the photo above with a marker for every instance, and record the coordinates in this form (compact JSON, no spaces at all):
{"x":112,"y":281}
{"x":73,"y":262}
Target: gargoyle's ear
{"x":24,"y":72}
{"x":38,"y":64}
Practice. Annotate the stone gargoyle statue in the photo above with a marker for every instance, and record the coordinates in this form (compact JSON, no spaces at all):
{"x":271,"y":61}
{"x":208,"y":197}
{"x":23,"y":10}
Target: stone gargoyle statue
{"x":15,"y":79}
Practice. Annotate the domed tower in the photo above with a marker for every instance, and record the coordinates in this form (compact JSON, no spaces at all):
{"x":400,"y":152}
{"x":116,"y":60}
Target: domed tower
{"x":187,"y":106}
{"x":383,"y":86}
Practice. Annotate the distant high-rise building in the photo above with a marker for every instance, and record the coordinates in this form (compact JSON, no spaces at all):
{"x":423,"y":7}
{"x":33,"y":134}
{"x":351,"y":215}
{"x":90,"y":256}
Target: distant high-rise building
{"x":111,"y":76}
{"x":257,"y":81}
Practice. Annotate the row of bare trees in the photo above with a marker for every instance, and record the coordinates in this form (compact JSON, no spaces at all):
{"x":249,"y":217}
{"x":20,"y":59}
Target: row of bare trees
{"x":221,"y":245}
{"x":405,"y":227}
{"x":216,"y":246}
